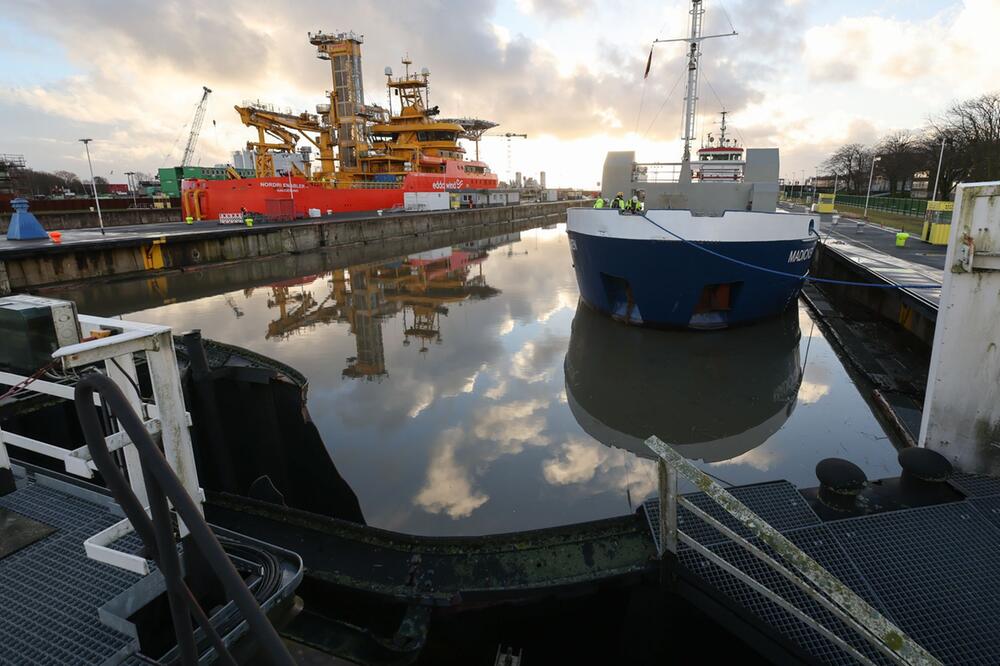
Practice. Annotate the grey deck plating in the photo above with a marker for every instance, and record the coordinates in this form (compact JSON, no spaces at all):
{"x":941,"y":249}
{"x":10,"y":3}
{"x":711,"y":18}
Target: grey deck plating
{"x":934,"y":571}
{"x":51,"y":591}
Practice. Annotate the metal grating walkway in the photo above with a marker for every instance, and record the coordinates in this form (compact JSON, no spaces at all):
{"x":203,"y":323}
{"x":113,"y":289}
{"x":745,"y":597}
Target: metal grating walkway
{"x":50,"y":589}
{"x":934,"y":571}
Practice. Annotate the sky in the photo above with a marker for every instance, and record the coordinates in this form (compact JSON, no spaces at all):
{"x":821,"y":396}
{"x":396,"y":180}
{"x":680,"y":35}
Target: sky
{"x":803,"y":75}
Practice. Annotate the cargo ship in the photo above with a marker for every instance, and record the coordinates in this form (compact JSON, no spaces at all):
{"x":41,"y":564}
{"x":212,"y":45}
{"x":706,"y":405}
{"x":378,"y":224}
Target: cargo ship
{"x":710,"y":249}
{"x":369,"y":156}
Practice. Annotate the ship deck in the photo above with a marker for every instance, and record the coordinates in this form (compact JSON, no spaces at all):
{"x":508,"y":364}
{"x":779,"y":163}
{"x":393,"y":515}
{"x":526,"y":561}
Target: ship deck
{"x":933,"y":570}
{"x":52,"y":592}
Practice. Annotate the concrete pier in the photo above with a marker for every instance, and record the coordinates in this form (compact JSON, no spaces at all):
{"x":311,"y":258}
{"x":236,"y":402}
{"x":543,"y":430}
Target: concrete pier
{"x":86,"y":254}
{"x":870,"y":255}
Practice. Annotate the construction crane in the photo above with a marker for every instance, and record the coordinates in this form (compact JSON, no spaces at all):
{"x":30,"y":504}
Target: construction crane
{"x":199,"y":117}
{"x":509,"y":136}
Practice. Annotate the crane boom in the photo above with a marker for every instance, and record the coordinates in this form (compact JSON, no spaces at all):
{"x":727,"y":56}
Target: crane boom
{"x":199,"y":117}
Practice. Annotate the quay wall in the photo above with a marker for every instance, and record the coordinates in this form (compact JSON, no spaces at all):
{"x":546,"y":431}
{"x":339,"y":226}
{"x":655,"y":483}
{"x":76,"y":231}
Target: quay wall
{"x":906,"y":308}
{"x":120,"y":257}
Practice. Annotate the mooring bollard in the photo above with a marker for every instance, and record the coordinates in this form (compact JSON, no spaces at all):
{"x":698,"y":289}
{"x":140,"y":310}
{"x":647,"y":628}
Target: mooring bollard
{"x":188,"y":220}
{"x":861,"y":226}
{"x":248,"y":221}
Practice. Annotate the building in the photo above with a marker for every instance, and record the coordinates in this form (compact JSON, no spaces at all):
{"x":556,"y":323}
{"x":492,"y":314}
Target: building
{"x":244,"y":159}
{"x":541,"y":180}
{"x":171,"y":177}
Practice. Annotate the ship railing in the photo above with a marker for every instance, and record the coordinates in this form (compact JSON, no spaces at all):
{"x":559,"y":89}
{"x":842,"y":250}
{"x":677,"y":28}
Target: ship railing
{"x":670,"y":172}
{"x":792,"y":564}
{"x":112,"y":346}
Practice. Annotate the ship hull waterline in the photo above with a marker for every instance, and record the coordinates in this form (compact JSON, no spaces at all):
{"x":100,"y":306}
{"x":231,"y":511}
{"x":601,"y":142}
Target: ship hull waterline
{"x":661,"y":281}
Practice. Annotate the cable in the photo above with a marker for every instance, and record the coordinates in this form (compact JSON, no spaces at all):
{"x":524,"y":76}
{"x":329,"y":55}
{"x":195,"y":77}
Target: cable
{"x":20,"y":386}
{"x":722,"y":6}
{"x":665,"y":100}
{"x":130,"y":380}
{"x":804,"y":278}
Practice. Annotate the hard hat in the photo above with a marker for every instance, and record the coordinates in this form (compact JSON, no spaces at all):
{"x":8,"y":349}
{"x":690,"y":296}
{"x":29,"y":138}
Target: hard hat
{"x":635,"y":197}
{"x":620,"y":194}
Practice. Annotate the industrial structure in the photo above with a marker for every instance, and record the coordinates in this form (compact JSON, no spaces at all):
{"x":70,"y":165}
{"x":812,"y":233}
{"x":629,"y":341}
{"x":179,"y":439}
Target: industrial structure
{"x":367,"y":155}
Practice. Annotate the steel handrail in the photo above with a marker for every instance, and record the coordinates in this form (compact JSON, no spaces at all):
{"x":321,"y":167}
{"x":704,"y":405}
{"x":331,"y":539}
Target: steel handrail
{"x":157,"y":533}
{"x":806,"y":573}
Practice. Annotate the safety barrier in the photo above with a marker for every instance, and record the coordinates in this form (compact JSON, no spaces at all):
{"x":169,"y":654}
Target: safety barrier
{"x":802,"y":571}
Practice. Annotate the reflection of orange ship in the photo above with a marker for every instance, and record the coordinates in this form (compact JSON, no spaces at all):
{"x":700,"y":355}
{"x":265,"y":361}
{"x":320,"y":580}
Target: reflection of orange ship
{"x":419,"y":286}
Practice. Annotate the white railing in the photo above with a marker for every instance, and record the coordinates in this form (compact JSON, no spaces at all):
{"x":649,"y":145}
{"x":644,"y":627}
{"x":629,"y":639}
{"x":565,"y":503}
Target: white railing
{"x":111,"y":345}
{"x":802,"y":571}
{"x":670,"y":172}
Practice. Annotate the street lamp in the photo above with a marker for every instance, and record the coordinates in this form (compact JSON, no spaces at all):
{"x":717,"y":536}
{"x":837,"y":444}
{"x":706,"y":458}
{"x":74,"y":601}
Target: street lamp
{"x":132,"y":186}
{"x":937,"y":175}
{"x":870,"y":177}
{"x":100,"y":218}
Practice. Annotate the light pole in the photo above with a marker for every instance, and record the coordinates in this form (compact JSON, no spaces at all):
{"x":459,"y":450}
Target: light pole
{"x":870,"y":177}
{"x":100,"y":218}
{"x":132,"y":186}
{"x":937,"y":176}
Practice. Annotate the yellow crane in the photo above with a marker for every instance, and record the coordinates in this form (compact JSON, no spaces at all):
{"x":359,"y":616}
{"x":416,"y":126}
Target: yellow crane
{"x":281,"y":132}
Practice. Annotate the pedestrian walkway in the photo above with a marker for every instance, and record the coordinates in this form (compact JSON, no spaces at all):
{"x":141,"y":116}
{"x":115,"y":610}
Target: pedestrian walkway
{"x":874,"y":247}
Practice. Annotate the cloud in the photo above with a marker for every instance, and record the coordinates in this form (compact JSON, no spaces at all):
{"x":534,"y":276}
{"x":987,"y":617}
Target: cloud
{"x":810,"y":392}
{"x":595,"y":468}
{"x":577,"y":462}
{"x":536,"y":360}
{"x":883,"y":51}
{"x":512,"y":426}
{"x":448,"y":488}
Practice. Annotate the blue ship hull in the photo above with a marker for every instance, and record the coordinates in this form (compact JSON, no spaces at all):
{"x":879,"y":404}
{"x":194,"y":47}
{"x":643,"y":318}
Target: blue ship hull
{"x":671,"y":284}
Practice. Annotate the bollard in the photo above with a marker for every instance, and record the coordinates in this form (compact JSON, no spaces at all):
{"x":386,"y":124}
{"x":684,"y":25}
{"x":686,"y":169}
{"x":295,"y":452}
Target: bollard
{"x":56,"y":236}
{"x":189,"y":220}
{"x":248,"y":221}
{"x":861,"y":226}
{"x":901,"y":239}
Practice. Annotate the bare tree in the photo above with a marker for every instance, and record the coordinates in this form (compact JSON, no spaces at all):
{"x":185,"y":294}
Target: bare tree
{"x":973,"y":129}
{"x":851,"y":164}
{"x":901,"y":157}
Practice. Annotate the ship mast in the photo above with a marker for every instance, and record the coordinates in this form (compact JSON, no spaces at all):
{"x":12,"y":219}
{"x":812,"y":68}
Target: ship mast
{"x":694,"y":41}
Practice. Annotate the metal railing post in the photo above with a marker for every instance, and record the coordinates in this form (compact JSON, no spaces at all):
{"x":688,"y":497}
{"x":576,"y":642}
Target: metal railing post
{"x":668,"y":508}
{"x":801,"y":570}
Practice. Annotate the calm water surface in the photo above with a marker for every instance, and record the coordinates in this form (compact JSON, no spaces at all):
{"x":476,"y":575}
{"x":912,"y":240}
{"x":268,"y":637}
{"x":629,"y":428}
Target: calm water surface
{"x":464,"y":390}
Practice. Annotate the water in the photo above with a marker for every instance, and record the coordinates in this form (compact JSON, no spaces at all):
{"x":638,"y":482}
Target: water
{"x":464,"y":391}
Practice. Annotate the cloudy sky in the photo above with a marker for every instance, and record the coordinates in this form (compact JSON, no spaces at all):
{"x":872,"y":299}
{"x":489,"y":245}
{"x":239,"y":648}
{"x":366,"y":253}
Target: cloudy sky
{"x":803,"y":75}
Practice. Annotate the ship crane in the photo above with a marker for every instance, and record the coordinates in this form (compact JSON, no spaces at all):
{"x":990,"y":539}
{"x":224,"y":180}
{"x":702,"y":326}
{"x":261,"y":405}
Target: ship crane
{"x":199,"y":117}
{"x":286,"y":128}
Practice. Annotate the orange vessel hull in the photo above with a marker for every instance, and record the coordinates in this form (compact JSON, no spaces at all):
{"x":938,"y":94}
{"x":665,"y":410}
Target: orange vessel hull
{"x":283,"y":197}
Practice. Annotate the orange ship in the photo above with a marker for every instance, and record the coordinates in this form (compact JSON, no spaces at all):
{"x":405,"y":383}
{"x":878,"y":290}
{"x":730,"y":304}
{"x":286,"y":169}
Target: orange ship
{"x":368,"y":155}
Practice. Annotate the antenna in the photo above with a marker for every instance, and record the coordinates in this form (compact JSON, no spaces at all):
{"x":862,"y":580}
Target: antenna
{"x":694,"y":41}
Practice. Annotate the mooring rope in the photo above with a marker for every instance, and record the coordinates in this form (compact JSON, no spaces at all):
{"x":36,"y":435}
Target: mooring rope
{"x":804,"y":278}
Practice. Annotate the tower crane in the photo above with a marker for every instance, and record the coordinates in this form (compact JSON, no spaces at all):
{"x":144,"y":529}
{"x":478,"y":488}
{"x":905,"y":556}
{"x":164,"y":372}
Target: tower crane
{"x":199,"y":116}
{"x":509,"y":136}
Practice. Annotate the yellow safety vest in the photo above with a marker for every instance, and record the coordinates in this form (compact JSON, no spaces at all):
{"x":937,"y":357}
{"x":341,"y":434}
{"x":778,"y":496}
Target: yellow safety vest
{"x":599,"y":203}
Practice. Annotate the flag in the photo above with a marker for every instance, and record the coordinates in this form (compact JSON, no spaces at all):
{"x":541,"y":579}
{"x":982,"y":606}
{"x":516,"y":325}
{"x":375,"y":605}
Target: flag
{"x":649,"y":63}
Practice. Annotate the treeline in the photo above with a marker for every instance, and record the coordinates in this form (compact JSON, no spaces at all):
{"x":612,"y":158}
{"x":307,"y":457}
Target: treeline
{"x":44,"y":183}
{"x":971,"y":133}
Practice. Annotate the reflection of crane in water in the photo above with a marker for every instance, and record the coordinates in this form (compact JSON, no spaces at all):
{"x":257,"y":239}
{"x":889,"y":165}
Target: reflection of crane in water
{"x":232,"y":304}
{"x":420,"y":286}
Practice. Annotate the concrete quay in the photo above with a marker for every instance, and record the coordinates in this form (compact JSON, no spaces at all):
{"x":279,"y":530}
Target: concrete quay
{"x":86,"y":254}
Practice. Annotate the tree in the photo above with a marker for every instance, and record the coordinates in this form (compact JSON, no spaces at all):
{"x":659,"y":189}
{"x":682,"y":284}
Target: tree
{"x":901,"y":157}
{"x":973,"y":129}
{"x":102,"y":184}
{"x":850,"y":163}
